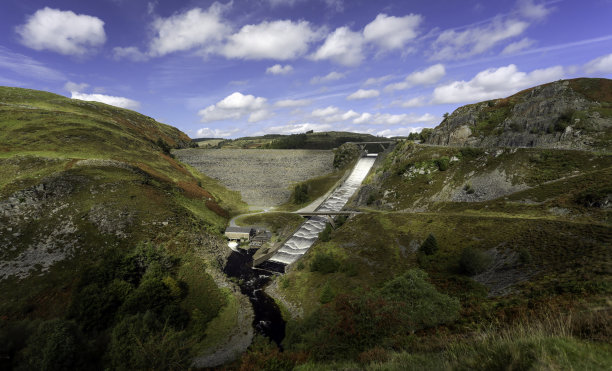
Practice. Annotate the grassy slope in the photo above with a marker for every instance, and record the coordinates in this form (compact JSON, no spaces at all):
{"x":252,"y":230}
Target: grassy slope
{"x":564,"y":243}
{"x":322,"y":140}
{"x":127,"y":190}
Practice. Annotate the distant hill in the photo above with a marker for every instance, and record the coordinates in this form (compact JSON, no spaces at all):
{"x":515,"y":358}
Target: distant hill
{"x":100,"y":226}
{"x":310,"y":140}
{"x":570,"y":114}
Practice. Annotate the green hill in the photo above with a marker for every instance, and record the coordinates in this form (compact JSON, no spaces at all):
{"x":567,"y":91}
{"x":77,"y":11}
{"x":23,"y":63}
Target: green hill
{"x":520,"y":237}
{"x":105,"y":237}
{"x":310,"y":140}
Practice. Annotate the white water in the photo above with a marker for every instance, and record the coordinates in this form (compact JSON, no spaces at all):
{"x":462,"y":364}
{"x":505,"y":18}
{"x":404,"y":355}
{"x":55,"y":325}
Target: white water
{"x":300,"y":242}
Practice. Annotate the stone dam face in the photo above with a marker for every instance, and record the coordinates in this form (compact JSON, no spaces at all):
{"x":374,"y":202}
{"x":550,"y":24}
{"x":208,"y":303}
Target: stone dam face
{"x":305,"y":237}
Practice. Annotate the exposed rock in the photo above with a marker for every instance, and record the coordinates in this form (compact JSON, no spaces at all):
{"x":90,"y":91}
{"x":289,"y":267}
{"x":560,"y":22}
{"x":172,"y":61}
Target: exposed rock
{"x":555,"y":115}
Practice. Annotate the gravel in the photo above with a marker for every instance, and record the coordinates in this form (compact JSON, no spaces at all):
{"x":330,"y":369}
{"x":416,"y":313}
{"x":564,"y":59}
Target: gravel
{"x":264,"y":177}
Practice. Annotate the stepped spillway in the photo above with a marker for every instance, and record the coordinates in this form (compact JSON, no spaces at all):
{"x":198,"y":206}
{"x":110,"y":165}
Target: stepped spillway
{"x":305,"y":237}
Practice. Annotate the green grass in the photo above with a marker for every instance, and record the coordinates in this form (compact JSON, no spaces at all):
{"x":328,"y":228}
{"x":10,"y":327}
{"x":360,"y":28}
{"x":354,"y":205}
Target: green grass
{"x":222,"y":325}
{"x":276,"y":222}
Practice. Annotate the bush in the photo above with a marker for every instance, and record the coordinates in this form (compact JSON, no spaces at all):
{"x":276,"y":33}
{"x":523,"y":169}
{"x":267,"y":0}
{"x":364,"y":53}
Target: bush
{"x":474,"y":261}
{"x":300,"y":194}
{"x":55,"y":345}
{"x":325,"y":234}
{"x":430,"y":245}
{"x":442,"y":163}
{"x":525,"y":256}
{"x":324,"y":263}
{"x":327,"y":295}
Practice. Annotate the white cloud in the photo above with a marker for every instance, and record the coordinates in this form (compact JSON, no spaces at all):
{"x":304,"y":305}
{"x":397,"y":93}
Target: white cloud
{"x":281,"y":40}
{"x":390,"y":119}
{"x":428,"y":76}
{"x":73,"y":86}
{"x":332,"y":76}
{"x":327,"y":111}
{"x":602,"y":64}
{"x":188,"y":30}
{"x":291,"y":103}
{"x":452,"y":44}
{"x":363,"y":94}
{"x":343,"y":46}
{"x":64,"y":32}
{"x":494,"y":83}
{"x":298,"y":128}
{"x":517,"y":46}
{"x":377,"y":80}
{"x":389,"y":32}
{"x":399,"y":132}
{"x":337,"y":5}
{"x":414,"y":102}
{"x":25,"y":66}
{"x":108,"y":99}
{"x":216,"y":133}
{"x":529,"y":9}
{"x":278,"y":69}
{"x":130,"y":52}
{"x":235,"y":106}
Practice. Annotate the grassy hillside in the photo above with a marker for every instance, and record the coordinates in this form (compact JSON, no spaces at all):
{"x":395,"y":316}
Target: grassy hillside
{"x":520,"y":237}
{"x":105,"y":238}
{"x":310,"y":140}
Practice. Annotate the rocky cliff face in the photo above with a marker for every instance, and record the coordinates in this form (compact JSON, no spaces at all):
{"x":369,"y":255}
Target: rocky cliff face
{"x":569,"y":114}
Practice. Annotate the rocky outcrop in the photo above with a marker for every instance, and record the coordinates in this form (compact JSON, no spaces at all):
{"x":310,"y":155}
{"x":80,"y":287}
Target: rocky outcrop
{"x":561,"y":114}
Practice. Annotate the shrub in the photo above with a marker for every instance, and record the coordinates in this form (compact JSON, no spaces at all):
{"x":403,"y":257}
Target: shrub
{"x":442,"y":163}
{"x":55,"y":345}
{"x":325,"y":234}
{"x":525,"y":256}
{"x":470,"y":152}
{"x":300,"y":194}
{"x":430,"y":245}
{"x":327,"y":295}
{"x":474,"y":261}
{"x":468,"y":189}
{"x":324,"y":263}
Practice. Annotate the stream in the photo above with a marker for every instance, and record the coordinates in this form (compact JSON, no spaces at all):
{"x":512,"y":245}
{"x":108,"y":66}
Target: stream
{"x":268,"y":320}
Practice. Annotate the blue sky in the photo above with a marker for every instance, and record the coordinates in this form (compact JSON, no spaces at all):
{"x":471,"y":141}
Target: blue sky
{"x":237,"y":68}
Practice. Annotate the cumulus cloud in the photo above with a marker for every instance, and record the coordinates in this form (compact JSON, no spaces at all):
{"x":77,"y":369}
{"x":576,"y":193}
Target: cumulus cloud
{"x":332,"y":114}
{"x":377,"y":80}
{"x":332,"y":76}
{"x":108,"y":99}
{"x":298,"y":128}
{"x":602,"y":64}
{"x":399,"y":132}
{"x":452,"y":44}
{"x":389,"y":32}
{"x":533,"y":10}
{"x":342,"y":46}
{"x":292,"y":103}
{"x":130,"y":52}
{"x":216,"y":133}
{"x":73,"y":86}
{"x":428,"y":76}
{"x":281,"y":40}
{"x":278,"y":69}
{"x":337,"y":5}
{"x":494,"y":83}
{"x":364,"y":94}
{"x":517,"y":46}
{"x":188,"y":30}
{"x":391,"y":119}
{"x":414,"y":102}
{"x":236,"y":106}
{"x":64,"y":32}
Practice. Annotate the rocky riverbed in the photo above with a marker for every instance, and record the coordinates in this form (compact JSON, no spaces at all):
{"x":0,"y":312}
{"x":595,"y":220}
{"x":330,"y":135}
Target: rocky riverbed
{"x":264,"y":178}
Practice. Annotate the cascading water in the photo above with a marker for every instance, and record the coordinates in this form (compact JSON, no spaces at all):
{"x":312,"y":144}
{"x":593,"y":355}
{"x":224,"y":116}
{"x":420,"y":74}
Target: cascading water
{"x":305,"y":237}
{"x":268,"y":320}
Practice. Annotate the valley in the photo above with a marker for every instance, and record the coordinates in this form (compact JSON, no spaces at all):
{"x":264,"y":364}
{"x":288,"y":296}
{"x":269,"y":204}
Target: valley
{"x":484,"y":246}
